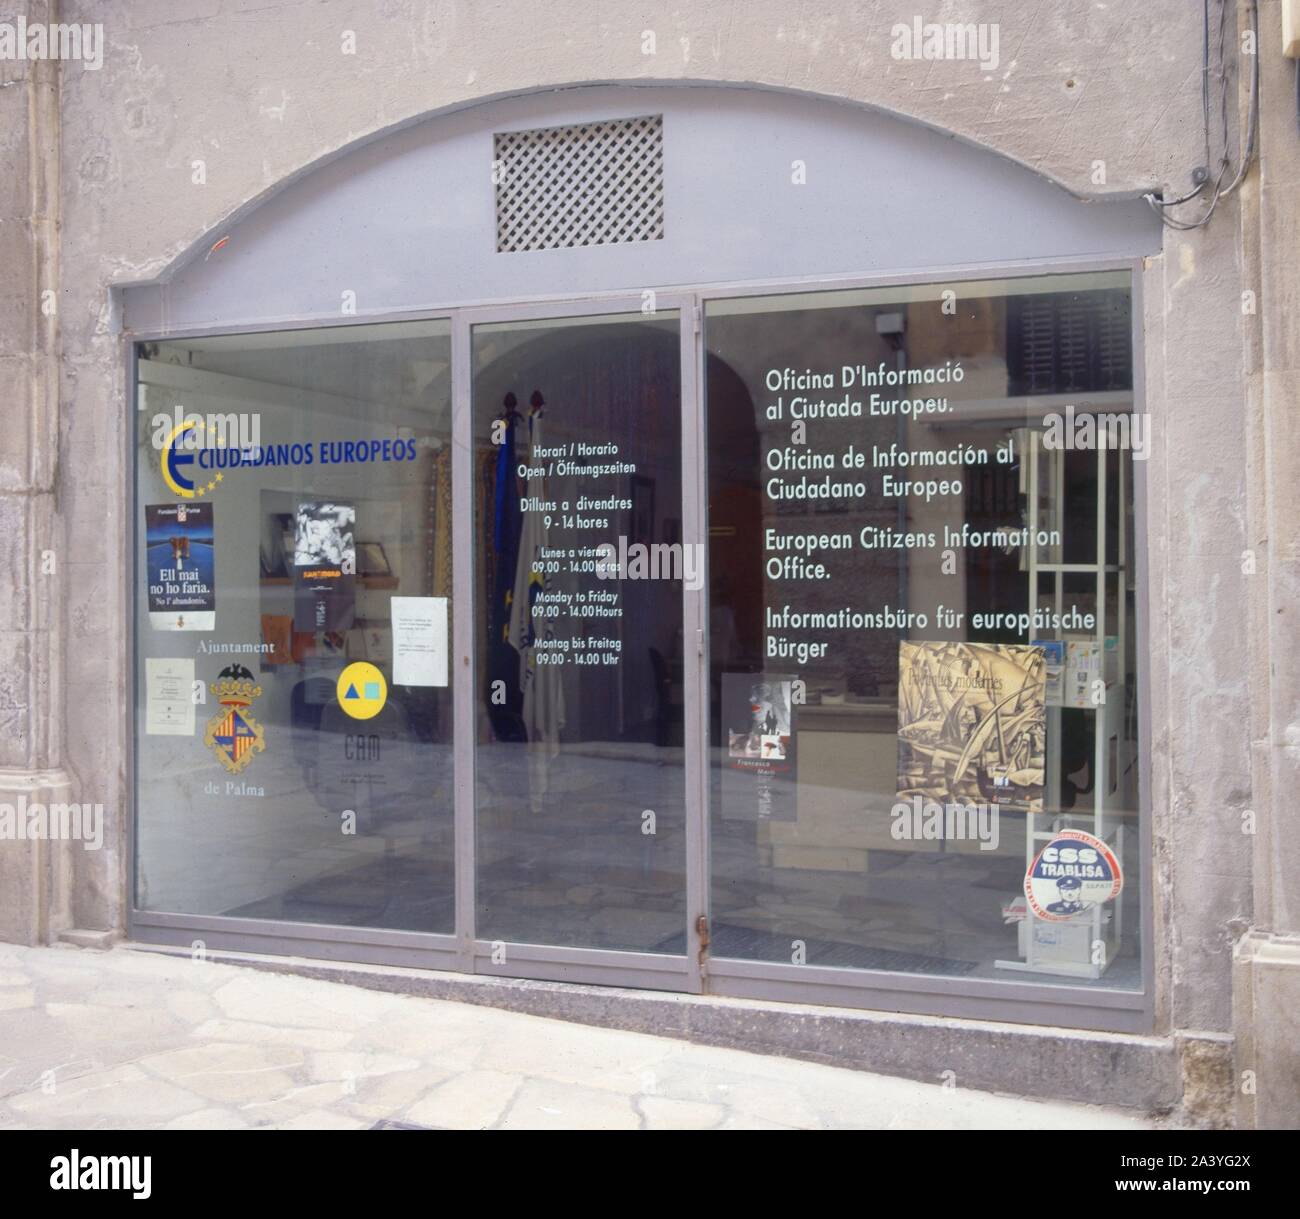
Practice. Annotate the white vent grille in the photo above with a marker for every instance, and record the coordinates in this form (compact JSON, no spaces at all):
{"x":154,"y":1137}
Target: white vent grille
{"x":591,"y":184}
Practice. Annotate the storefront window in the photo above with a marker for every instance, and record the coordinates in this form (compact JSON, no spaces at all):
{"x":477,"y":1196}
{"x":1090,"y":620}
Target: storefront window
{"x":918,"y":606}
{"x":294,"y":726}
{"x":921,"y":630}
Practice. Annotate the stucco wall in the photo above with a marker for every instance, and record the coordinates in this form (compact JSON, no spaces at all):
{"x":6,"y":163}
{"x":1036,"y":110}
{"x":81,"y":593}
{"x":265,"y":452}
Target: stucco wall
{"x":260,"y":91}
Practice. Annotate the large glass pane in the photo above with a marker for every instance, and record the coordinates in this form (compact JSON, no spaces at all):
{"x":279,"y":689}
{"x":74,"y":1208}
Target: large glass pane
{"x":580,"y":776}
{"x":294,"y":573}
{"x":901,"y":733}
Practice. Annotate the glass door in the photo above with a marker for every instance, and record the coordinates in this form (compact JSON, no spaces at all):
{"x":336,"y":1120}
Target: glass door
{"x":580,"y":673}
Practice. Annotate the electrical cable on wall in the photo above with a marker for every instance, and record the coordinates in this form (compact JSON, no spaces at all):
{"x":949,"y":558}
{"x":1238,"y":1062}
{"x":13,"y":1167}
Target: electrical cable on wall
{"x":1202,"y":174}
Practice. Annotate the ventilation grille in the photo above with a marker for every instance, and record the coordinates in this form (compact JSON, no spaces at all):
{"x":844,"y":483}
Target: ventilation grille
{"x":591,"y":184}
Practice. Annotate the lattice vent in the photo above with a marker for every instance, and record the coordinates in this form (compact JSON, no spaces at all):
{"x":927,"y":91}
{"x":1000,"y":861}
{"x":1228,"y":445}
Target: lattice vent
{"x":590,"y":184}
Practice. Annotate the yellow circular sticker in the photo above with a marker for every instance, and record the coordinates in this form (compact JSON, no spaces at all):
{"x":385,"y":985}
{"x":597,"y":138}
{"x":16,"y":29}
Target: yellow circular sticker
{"x":362,"y":690}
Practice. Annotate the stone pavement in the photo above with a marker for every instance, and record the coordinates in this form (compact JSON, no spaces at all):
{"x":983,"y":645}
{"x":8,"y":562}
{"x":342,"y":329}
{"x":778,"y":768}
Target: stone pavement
{"x":135,"y":1039}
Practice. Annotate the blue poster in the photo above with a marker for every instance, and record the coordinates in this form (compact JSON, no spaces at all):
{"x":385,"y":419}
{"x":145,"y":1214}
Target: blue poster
{"x":180,"y":567}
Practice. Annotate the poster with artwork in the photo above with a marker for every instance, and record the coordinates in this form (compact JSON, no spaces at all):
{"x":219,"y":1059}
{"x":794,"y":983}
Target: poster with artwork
{"x":324,"y":567}
{"x":972,"y":723}
{"x":759,"y":742}
{"x":180,"y":567}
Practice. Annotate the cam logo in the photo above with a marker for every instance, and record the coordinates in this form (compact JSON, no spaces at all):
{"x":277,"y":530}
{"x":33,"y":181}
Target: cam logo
{"x":175,"y":460}
{"x":359,"y":748}
{"x":233,"y":734}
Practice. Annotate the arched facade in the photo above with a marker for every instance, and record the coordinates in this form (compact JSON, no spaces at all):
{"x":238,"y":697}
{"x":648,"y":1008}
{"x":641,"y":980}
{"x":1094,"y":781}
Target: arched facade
{"x":729,"y":243}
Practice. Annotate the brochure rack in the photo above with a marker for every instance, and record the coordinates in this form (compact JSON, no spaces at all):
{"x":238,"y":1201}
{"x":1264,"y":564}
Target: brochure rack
{"x":1085,"y":946}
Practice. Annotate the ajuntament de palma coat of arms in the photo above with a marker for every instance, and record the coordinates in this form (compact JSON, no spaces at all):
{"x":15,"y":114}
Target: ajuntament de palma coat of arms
{"x":233,"y":734}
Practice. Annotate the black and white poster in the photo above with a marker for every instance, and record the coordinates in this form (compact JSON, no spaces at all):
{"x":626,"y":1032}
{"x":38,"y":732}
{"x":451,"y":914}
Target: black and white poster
{"x":324,"y":567}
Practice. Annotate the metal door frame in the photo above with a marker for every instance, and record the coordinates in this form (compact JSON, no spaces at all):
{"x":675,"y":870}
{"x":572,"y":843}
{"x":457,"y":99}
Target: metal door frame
{"x":611,"y":967}
{"x":1037,"y":1001}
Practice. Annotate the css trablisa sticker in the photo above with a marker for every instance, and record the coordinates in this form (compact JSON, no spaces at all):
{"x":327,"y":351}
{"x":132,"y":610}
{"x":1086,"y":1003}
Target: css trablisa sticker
{"x":1070,"y":875}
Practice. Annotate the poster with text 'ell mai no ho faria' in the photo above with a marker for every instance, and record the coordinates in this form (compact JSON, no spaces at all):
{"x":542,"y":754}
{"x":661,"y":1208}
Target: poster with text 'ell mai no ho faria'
{"x":972,"y":723}
{"x":180,"y":567}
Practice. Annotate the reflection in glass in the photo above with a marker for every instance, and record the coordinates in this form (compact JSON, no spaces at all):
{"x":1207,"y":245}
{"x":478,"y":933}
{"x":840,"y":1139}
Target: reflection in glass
{"x":884,"y":492}
{"x":320,"y":463}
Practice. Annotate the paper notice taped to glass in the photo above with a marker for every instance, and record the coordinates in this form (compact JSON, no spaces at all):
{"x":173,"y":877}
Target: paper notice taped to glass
{"x":419,"y":641}
{"x":169,"y":696}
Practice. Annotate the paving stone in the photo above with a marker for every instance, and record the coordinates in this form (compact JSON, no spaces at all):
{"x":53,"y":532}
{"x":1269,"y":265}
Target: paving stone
{"x":229,"y":1072}
{"x":378,"y":1096}
{"x":125,"y":1093}
{"x":350,"y":1065}
{"x":208,"y":1119}
{"x":569,"y":1053}
{"x":746,"y":1089}
{"x":90,"y":1023}
{"x":471,"y":1101}
{"x":12,"y":997}
{"x":454,"y":1039}
{"x":322,"y":1119}
{"x":663,"y":1113}
{"x":747,"y":1121}
{"x":271,"y":999}
{"x":55,"y":961}
{"x":118,"y":996}
{"x":243,"y":1030}
{"x":293,"y":1102}
{"x":191,"y":1006}
{"x":159,"y":966}
{"x":543,"y":1104}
